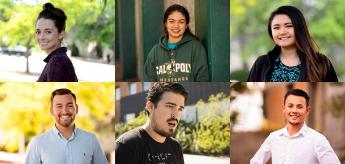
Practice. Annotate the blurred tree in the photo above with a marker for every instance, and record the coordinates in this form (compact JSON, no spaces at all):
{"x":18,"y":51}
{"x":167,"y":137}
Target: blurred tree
{"x":92,"y":20}
{"x":101,"y":29}
{"x":25,"y":109}
{"x":249,"y":20}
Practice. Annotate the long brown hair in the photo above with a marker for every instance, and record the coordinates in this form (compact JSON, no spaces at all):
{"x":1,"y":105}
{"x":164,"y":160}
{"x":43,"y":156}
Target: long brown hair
{"x":184,"y":12}
{"x":317,"y":64}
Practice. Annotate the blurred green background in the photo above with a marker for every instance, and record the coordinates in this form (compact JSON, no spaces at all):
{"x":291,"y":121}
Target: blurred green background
{"x":90,"y":38}
{"x":249,"y":37}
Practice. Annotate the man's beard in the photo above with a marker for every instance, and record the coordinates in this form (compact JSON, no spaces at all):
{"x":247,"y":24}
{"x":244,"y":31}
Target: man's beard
{"x":163,"y":133}
{"x":66,"y":122}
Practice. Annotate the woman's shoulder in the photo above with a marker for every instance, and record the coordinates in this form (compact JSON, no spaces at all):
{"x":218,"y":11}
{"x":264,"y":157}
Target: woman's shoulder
{"x":322,"y":58}
{"x":262,"y":59}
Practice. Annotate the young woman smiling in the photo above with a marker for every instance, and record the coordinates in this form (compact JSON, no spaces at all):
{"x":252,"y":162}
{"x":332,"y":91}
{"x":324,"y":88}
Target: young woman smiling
{"x":295,"y":56}
{"x":178,"y":56}
{"x":50,"y":30}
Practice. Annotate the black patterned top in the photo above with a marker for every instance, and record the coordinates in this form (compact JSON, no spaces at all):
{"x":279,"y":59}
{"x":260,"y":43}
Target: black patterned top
{"x":283,"y":73}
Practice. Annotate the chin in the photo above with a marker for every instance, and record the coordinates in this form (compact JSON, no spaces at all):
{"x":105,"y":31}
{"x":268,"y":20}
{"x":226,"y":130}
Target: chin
{"x":295,"y":122}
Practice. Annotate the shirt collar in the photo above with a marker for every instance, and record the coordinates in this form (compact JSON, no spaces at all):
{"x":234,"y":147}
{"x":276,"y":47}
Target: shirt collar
{"x":57,"y":132}
{"x":303,"y":131}
{"x":55,"y":52}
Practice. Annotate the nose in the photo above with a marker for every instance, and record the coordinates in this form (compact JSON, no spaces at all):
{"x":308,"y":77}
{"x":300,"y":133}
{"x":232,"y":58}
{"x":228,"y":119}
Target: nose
{"x":175,"y":24}
{"x":283,"y":30}
{"x":64,"y":110}
{"x":294,"y":110}
{"x":40,"y":36}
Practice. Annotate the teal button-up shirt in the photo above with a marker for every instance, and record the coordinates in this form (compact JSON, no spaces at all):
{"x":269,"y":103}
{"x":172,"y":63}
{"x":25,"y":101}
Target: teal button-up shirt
{"x":52,"y":148}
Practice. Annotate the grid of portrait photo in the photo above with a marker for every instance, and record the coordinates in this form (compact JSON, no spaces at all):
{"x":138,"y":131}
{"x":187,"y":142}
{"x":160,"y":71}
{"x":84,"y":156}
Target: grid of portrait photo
{"x":115,"y":82}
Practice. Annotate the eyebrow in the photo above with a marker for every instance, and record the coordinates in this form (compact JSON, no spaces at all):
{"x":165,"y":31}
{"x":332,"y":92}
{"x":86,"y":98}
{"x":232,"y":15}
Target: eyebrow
{"x":284,"y":24}
{"x":170,"y":103}
{"x":67,"y":103}
{"x":44,"y":29}
{"x":178,"y":20}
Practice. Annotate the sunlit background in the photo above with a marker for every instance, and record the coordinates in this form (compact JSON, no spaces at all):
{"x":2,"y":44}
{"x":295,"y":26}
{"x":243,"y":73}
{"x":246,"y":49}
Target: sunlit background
{"x":90,"y":39}
{"x":24,"y":109}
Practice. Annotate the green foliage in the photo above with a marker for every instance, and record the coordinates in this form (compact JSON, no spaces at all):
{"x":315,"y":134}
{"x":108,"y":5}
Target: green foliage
{"x":124,"y":127}
{"x":211,"y":133}
{"x":324,"y":18}
{"x":25,"y":108}
{"x":240,"y":75}
{"x":184,"y":135}
{"x":88,"y":20}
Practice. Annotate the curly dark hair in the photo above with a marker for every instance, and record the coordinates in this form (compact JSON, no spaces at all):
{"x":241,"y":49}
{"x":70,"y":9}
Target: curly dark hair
{"x":155,"y":93}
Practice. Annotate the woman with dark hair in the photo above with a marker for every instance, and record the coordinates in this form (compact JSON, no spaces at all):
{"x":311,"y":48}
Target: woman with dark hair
{"x":50,"y":30}
{"x":296,"y":56}
{"x":178,"y":56}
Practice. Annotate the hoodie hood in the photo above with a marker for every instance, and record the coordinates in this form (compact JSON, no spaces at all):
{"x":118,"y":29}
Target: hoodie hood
{"x":163,"y":41}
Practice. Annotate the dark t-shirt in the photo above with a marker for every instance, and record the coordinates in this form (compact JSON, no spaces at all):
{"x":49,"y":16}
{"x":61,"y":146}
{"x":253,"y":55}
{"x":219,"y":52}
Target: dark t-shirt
{"x":137,"y":147}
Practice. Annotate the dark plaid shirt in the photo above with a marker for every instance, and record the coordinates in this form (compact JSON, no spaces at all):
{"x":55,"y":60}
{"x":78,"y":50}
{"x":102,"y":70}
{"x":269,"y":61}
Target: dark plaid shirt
{"x":59,"y":67}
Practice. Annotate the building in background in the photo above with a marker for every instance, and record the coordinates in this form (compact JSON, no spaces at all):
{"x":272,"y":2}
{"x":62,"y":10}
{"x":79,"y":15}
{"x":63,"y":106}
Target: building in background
{"x":327,"y":115}
{"x":131,"y":97}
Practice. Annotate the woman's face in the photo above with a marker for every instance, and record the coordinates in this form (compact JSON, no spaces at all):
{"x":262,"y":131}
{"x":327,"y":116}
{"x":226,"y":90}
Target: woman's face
{"x":47,"y":35}
{"x":176,"y":26}
{"x":283,"y":32}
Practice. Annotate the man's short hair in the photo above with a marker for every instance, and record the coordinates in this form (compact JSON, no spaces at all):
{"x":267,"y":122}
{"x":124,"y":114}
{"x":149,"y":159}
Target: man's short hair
{"x":62,"y":91}
{"x":155,"y":93}
{"x":297,"y":92}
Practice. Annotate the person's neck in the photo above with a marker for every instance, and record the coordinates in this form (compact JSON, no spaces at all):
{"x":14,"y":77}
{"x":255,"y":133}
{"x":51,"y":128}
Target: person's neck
{"x":174,"y":40}
{"x":51,"y":50}
{"x":66,"y":131}
{"x":154,"y":135}
{"x":294,"y":129}
{"x":289,"y":56}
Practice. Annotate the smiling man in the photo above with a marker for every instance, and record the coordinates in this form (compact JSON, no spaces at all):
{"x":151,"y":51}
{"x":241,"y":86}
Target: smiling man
{"x":152,"y":143}
{"x":296,"y":143}
{"x":65,"y":143}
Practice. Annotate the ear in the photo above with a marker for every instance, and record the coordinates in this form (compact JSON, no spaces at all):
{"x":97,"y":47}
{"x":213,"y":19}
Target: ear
{"x":283,"y":107}
{"x":61,"y":35}
{"x":76,"y":108}
{"x":308,"y":108}
{"x":149,"y":106}
{"x":51,"y":110}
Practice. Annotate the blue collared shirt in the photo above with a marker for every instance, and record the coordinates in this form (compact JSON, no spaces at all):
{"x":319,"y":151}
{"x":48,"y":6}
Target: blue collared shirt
{"x":52,"y":148}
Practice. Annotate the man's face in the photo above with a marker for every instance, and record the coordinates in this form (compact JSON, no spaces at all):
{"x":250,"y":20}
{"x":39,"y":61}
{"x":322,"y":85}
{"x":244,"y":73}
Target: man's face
{"x":295,"y":109}
{"x":166,"y":115}
{"x":64,"y":110}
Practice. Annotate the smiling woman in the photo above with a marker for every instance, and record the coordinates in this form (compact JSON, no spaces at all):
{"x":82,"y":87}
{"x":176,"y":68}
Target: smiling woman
{"x":50,"y":30}
{"x":179,"y":55}
{"x":296,"y":56}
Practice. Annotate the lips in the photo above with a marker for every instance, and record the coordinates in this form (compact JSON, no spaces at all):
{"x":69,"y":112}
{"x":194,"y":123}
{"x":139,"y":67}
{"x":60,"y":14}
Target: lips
{"x":175,"y":31}
{"x":43,"y":44}
{"x":172,"y":124}
{"x":65,"y":116}
{"x":284,"y":38}
{"x":294,"y":117}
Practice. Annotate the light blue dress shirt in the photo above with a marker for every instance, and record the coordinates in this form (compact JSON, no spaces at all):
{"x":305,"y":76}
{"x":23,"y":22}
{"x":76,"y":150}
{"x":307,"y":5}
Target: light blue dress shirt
{"x":52,"y":148}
